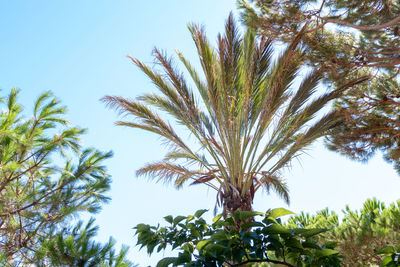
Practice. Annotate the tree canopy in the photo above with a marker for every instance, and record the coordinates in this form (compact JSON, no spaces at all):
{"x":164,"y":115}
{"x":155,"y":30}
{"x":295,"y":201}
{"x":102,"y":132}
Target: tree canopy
{"x":371,"y":122}
{"x":340,"y":34}
{"x":46,"y":176}
{"x":76,"y":247}
{"x":365,"y":237}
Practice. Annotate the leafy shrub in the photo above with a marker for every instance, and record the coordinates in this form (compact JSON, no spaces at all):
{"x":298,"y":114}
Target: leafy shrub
{"x":236,"y":240}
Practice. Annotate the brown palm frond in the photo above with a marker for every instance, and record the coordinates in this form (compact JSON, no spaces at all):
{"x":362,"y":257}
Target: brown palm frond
{"x":166,"y":171}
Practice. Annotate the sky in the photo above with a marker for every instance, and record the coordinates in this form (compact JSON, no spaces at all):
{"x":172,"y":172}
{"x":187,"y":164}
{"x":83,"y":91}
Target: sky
{"x":77,"y":50}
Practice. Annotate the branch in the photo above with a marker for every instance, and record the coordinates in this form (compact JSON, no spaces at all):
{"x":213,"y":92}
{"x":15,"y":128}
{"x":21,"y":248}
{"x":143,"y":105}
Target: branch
{"x":362,"y":27}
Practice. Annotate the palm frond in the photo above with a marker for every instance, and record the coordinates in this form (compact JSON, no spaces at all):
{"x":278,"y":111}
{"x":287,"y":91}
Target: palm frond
{"x":243,"y":111}
{"x":167,"y":172}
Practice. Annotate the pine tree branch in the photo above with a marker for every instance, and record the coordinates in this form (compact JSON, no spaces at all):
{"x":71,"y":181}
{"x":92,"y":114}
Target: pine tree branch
{"x":363,"y":27}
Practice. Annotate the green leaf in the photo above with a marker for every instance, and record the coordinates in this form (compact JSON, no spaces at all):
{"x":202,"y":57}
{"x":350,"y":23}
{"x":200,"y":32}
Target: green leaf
{"x":202,"y":244}
{"x":219,"y":235}
{"x":248,"y":225}
{"x":217,"y":218}
{"x":169,"y":219}
{"x":183,"y":257}
{"x":386,"y":260}
{"x":279,"y":212}
{"x":215,"y":249}
{"x":386,"y":250}
{"x":326,"y":252}
{"x":293,"y":243}
{"x":199,"y":213}
{"x":277,"y":229}
{"x":189,"y":218}
{"x":244,"y":215}
{"x":178,"y":219}
{"x":166,"y":261}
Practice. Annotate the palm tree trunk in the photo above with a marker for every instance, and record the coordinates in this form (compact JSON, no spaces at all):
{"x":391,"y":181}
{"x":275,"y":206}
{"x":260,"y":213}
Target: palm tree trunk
{"x":233,"y":201}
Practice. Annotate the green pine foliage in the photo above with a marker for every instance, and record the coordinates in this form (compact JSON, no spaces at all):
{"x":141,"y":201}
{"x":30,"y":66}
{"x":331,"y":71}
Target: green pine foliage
{"x":361,"y":236}
{"x":340,"y":34}
{"x":76,"y":247}
{"x":371,"y":122}
{"x":45,"y":175}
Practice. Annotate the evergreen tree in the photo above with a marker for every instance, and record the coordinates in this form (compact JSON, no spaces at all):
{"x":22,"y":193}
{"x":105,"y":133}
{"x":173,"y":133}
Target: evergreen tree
{"x":371,"y":122}
{"x":340,"y":34}
{"x":360,"y":234}
{"x":46,"y":176}
{"x":75,"y":247}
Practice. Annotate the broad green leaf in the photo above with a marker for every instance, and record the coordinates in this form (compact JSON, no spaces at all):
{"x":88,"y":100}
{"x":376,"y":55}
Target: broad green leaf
{"x":279,"y":212}
{"x":217,"y":218}
{"x":244,"y":215}
{"x":183,"y":257}
{"x":166,"y":262}
{"x":277,"y":229}
{"x":142,"y":227}
{"x":215,"y":249}
{"x":178,"y":219}
{"x":294,"y":243}
{"x":169,"y":219}
{"x":310,"y":244}
{"x":386,"y":260}
{"x":219,"y":235}
{"x":386,"y":250}
{"x":189,"y":218}
{"x":202,"y":244}
{"x":199,"y":213}
{"x":248,"y":225}
{"x":326,"y":252}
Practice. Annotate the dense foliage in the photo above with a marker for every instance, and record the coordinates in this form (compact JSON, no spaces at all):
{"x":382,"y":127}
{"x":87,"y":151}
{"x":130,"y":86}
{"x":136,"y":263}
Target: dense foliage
{"x":237,"y":240}
{"x":360,"y":234}
{"x":45,"y":176}
{"x":371,"y":122}
{"x":250,"y":114}
{"x":340,"y":34}
{"x":75,"y":247}
{"x":391,"y":256}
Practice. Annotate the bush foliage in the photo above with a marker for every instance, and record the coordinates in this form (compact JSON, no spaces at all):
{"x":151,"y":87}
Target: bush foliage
{"x":237,"y":240}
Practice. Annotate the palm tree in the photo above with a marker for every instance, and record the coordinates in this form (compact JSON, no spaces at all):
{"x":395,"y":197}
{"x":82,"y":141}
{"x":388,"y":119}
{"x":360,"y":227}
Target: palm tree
{"x":246,"y":118}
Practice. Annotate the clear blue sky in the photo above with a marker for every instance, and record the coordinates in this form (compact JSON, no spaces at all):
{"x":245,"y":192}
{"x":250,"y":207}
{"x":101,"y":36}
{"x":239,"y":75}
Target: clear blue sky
{"x":77,"y":50}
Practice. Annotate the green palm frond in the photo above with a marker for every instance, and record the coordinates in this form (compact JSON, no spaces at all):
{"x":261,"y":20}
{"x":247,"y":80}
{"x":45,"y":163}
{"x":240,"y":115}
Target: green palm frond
{"x":244,"y":112}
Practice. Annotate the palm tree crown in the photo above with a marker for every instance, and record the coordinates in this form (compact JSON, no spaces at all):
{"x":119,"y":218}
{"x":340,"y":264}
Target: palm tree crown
{"x":246,"y":117}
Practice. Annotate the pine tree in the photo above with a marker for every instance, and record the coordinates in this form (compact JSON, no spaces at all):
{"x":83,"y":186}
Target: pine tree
{"x":371,"y":122}
{"x":76,"y":247}
{"x":340,"y":35}
{"x":46,"y":176}
{"x":359,"y":234}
